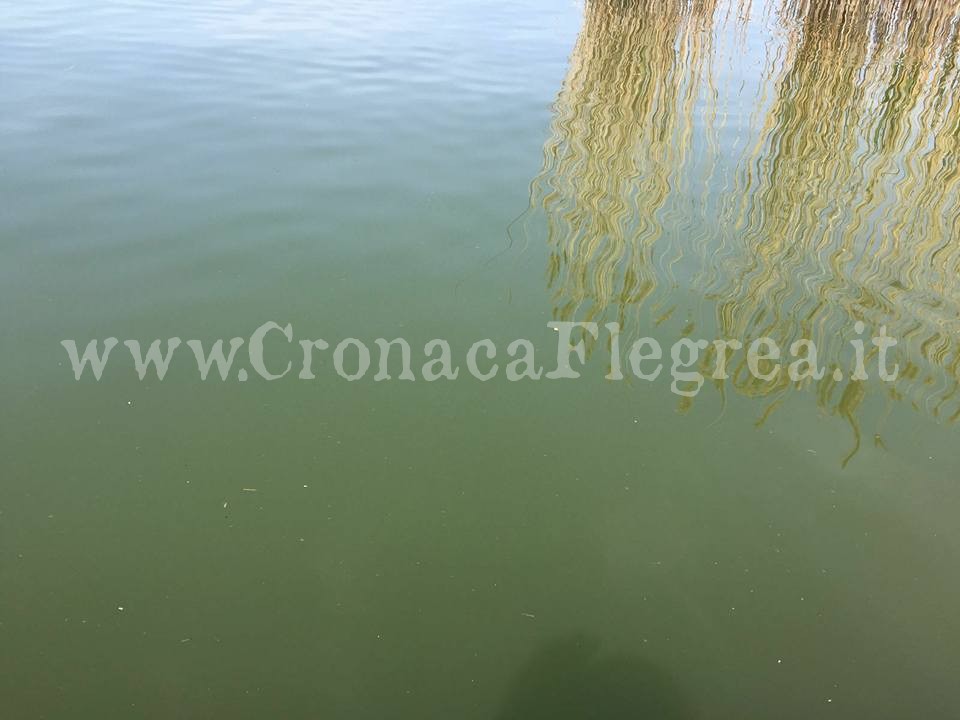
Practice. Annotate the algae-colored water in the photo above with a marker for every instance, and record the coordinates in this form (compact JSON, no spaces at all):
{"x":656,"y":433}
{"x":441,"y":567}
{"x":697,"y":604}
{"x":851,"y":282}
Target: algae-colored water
{"x":463,"y":170}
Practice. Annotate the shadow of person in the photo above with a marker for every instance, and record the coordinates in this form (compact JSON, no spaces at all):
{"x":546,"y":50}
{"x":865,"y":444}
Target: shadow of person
{"x":570,"y":677}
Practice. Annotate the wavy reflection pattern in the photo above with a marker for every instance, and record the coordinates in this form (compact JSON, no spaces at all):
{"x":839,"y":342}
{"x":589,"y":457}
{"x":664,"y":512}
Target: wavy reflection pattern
{"x":826,"y":197}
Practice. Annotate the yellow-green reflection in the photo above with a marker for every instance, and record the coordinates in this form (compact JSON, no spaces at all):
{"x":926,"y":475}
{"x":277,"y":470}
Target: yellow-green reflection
{"x":619,"y":140}
{"x":838,"y":205}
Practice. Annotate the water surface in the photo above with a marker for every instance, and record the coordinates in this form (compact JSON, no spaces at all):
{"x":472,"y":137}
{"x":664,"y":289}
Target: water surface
{"x":472,"y":170}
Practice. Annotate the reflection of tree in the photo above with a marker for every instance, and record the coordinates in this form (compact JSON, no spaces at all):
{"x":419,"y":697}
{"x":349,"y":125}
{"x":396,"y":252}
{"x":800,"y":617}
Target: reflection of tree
{"x":841,"y":208}
{"x":623,"y":126}
{"x":845,"y":208}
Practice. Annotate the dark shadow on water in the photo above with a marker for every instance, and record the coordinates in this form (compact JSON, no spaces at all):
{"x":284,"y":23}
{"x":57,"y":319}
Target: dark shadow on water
{"x":571,"y":677}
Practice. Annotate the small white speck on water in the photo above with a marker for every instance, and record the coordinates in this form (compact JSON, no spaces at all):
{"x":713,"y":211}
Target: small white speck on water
{"x":120,"y":608}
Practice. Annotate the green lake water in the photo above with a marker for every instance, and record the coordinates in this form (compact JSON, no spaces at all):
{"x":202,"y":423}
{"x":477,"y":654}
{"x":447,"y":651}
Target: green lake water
{"x":462,"y":549}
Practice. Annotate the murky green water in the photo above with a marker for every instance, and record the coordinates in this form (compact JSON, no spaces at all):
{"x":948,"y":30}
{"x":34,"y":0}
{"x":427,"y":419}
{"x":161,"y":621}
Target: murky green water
{"x":467,"y":549}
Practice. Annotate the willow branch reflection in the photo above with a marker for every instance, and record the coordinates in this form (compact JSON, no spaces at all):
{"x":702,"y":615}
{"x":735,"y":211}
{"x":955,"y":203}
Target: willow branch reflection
{"x":838,"y":204}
